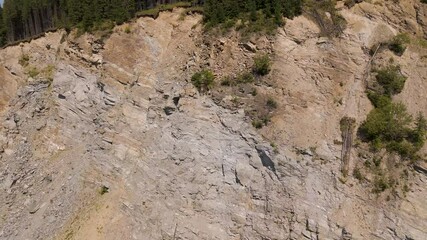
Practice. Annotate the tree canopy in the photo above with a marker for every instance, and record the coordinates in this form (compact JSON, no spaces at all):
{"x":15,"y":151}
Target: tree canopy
{"x":21,"y":19}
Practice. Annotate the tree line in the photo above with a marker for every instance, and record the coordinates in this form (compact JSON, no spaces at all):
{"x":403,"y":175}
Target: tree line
{"x":22,"y":19}
{"x":220,"y":11}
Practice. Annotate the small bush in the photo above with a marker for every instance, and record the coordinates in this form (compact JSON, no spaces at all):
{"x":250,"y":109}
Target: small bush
{"x":257,"y":124}
{"x":245,"y":77}
{"x":378,"y":100}
{"x":271,"y":103}
{"x":48,"y":72}
{"x":389,"y":127}
{"x":33,"y":72}
{"x":254,"y":92}
{"x":103,"y":190}
{"x":398,"y":44}
{"x":24,"y":60}
{"x":390,"y":123}
{"x":226,"y":82}
{"x":391,"y":79}
{"x":261,"y":121}
{"x":380,"y":185}
{"x":128,"y":30}
{"x":357,"y":174}
{"x":262,"y":64}
{"x":203,"y":80}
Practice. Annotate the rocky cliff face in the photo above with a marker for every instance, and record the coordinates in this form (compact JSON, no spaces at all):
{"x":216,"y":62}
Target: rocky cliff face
{"x":106,"y":138}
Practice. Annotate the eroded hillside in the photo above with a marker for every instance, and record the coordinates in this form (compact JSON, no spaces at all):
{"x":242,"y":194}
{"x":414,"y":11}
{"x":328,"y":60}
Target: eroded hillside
{"x":107,"y":138}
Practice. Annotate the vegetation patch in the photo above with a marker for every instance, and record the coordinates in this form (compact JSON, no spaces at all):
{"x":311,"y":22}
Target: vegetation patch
{"x":390,"y":80}
{"x":262,"y":65}
{"x":250,"y":16}
{"x":399,"y":43}
{"x":33,"y":72}
{"x":203,"y":80}
{"x":245,"y":77}
{"x":154,"y":12}
{"x":103,"y":190}
{"x":391,"y":128}
{"x":24,"y":60}
{"x":271,"y":103}
{"x":389,"y":125}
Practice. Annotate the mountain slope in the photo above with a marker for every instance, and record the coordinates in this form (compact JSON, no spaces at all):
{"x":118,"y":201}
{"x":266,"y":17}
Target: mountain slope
{"x":110,"y":140}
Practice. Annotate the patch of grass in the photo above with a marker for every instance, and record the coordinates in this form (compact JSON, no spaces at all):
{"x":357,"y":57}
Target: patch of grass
{"x":24,"y":60}
{"x":420,"y":42}
{"x":235,"y":100}
{"x":399,"y":43}
{"x":203,"y":80}
{"x":226,"y":81}
{"x":261,"y":122}
{"x":153,"y":13}
{"x":257,"y":124}
{"x":380,"y":184}
{"x":254,"y":92}
{"x":271,"y":103}
{"x":262,"y":64}
{"x":128,"y":30}
{"x":48,"y":72}
{"x":358,"y":174}
{"x":275,"y":148}
{"x":33,"y":72}
{"x":245,"y":77}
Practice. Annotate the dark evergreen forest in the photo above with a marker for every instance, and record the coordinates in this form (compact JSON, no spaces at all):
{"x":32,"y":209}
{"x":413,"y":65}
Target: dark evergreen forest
{"x":22,"y":19}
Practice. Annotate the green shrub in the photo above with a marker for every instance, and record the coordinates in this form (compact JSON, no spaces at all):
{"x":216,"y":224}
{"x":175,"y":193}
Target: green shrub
{"x":226,"y":81}
{"x":261,"y":121}
{"x":128,"y":30}
{"x":217,"y":12}
{"x":262,"y":64}
{"x":380,"y":184}
{"x":358,"y":174}
{"x":391,"y":79}
{"x":245,"y":77}
{"x":203,"y":80}
{"x":103,"y":190}
{"x":105,"y":25}
{"x":254,"y":92}
{"x":271,"y":103}
{"x":418,"y":135}
{"x":257,"y":124}
{"x":398,"y":43}
{"x":389,"y":127}
{"x":390,"y":123}
{"x":378,"y":100}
